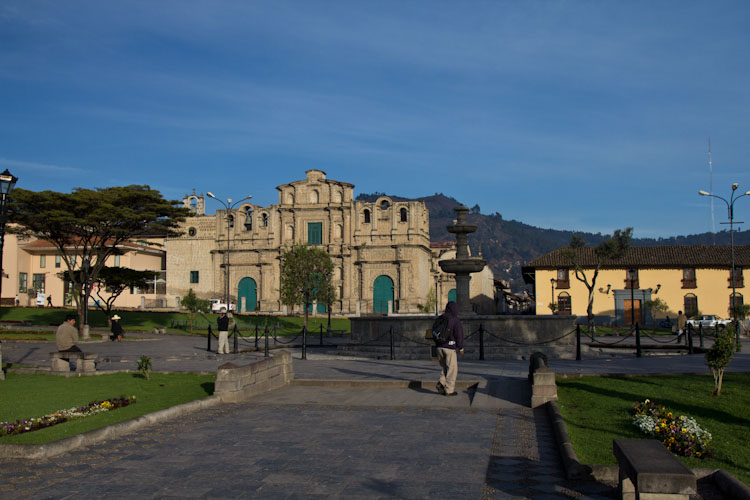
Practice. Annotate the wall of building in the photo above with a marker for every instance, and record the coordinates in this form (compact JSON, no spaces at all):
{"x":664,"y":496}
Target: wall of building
{"x":713,"y":290}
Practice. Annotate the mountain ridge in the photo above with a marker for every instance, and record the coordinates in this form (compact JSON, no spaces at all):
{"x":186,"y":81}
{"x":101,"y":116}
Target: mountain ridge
{"x":507,"y":244}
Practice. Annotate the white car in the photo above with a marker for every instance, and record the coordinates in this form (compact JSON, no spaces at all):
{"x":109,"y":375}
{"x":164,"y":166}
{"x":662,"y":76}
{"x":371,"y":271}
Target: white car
{"x":709,"y":321}
{"x":218,"y":304}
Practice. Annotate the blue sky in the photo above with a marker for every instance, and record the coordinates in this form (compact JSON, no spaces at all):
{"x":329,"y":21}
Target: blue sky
{"x":590,"y":115}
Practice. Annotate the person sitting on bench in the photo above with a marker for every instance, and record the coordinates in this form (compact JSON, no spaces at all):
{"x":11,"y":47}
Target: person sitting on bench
{"x":67,"y":335}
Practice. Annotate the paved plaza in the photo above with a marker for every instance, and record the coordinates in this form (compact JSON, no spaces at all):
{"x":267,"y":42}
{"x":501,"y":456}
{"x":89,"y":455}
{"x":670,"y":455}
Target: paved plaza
{"x":348,"y":428}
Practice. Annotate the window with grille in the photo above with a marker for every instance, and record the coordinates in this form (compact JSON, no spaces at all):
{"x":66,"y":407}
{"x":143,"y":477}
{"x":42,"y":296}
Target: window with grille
{"x":631,"y":282}
{"x":564,"y":304}
{"x":37,"y":283}
{"x":563,"y":279}
{"x":23,"y":282}
{"x":688,"y":278}
{"x":194,"y":276}
{"x":738,"y":281}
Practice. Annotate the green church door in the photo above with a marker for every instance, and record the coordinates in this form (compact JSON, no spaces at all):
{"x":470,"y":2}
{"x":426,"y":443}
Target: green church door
{"x":452,"y":295}
{"x":382,"y":292}
{"x":247,"y":295}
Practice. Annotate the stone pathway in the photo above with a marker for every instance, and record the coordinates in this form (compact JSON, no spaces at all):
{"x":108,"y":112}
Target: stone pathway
{"x":524,"y":462}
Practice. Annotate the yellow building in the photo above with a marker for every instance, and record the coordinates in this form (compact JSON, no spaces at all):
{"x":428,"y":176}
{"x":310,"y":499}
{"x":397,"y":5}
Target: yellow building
{"x":31,"y":268}
{"x":694,"y":279}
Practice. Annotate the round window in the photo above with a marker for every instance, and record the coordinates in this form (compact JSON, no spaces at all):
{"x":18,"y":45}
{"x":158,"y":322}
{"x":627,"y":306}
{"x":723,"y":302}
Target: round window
{"x":192,"y":231}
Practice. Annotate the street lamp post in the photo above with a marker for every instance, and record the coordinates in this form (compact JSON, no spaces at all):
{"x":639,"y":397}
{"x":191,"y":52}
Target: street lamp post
{"x":631,"y":277}
{"x":730,"y":213}
{"x":7,"y":183}
{"x":229,"y":207}
{"x":437,"y":304}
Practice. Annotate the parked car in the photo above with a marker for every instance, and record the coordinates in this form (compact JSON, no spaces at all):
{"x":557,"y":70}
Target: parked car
{"x":217,"y":304}
{"x":709,"y":321}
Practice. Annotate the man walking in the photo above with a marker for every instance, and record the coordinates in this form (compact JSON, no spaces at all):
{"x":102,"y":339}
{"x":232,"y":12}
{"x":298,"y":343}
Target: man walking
{"x":447,"y":352}
{"x":223,"y":325}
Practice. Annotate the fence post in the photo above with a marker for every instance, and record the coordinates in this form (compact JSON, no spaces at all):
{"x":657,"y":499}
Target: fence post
{"x":592,"y":331}
{"x":275,"y":329}
{"x":578,"y":342}
{"x":256,"y":337}
{"x":321,"y":335}
{"x":637,"y":340}
{"x":481,"y":342}
{"x":392,"y":346}
{"x":700,"y":333}
{"x":236,"y":347}
{"x":690,"y":340}
{"x":304,"y":342}
{"x":208,"y":337}
{"x":265,"y":351}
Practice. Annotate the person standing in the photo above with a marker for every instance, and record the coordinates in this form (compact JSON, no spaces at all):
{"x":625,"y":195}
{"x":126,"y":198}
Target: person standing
{"x":67,"y":335}
{"x":18,"y":301}
{"x":49,"y":300}
{"x":116,"y":329}
{"x":222,"y":324}
{"x":681,"y":326}
{"x":448,"y":352}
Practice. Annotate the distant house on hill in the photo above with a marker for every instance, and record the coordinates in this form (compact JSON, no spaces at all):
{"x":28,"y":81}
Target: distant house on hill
{"x":695,"y":279}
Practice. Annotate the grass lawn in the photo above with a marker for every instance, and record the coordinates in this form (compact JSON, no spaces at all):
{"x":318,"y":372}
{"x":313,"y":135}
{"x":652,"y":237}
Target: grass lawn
{"x":28,"y":396}
{"x":598,"y":409}
{"x":174,"y":322}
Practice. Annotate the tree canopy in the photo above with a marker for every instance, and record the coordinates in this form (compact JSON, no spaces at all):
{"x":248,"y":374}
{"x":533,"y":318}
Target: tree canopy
{"x":305,"y":276}
{"x":612,"y":248}
{"x":90,"y":224}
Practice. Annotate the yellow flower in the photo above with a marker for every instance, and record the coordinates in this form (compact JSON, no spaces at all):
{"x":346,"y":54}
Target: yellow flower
{"x":697,"y":453}
{"x":684,"y":431}
{"x":669,"y":414}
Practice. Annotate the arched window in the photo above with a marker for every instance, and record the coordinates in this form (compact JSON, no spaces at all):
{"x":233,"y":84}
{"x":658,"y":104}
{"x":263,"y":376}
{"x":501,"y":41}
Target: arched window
{"x":248,"y":218}
{"x":290,"y":198}
{"x":403,"y":214}
{"x":289,"y":232}
{"x":691,"y":305}
{"x":367,"y":216}
{"x":384,"y":205}
{"x":564,"y":304}
{"x":735,"y":301}
{"x":265,"y":220}
{"x":339,"y":232}
{"x":337,"y":196}
{"x":314,"y":196}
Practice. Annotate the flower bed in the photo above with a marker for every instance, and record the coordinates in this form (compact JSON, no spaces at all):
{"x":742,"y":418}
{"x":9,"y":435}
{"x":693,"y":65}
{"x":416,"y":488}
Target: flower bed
{"x":33,"y":424}
{"x":681,"y":435}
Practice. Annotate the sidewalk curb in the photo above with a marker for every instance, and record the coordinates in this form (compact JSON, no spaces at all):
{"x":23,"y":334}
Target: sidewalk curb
{"x":39,"y":451}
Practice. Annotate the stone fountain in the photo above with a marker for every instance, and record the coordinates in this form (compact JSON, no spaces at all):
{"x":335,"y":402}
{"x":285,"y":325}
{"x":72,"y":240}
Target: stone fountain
{"x":501,"y":336}
{"x":463,"y":265}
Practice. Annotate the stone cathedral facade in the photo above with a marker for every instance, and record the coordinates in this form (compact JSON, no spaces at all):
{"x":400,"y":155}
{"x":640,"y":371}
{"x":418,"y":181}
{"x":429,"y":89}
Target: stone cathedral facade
{"x":381,"y":250}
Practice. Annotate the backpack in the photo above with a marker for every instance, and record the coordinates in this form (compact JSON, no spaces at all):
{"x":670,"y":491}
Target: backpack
{"x":441,"y":332}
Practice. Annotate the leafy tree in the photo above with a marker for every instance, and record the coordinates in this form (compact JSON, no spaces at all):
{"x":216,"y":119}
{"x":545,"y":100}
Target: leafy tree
{"x":475,"y":209}
{"x":194,"y":305}
{"x":114,"y":281}
{"x":719,"y":356}
{"x":89,"y":224}
{"x":612,"y":248}
{"x":430,"y":301}
{"x":305,"y":276}
{"x":656,"y":306}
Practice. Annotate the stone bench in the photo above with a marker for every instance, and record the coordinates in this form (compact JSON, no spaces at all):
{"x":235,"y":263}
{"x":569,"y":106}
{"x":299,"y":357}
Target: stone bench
{"x":649,"y":471}
{"x":85,"y":361}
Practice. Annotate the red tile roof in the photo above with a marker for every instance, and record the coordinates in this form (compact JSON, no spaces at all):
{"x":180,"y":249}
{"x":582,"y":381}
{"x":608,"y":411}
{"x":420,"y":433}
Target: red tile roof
{"x":652,"y":257}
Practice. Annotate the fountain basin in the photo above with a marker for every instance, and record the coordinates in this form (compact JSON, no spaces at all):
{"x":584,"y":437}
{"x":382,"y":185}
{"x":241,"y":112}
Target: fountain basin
{"x":470,"y":265}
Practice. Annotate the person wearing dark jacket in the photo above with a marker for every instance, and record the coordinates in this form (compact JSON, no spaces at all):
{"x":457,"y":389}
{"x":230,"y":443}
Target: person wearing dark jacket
{"x":116,"y":329}
{"x":447,"y":353}
{"x":222,"y":324}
